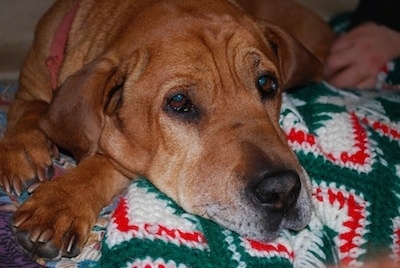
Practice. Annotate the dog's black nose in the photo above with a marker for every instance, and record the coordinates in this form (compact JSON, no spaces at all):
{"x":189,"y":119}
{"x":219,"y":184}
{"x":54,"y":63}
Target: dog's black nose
{"x":277,"y":190}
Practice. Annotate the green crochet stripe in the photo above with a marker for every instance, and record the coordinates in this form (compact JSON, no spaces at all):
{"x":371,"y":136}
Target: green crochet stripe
{"x":394,"y":75}
{"x":315,"y":115}
{"x":391,"y":108}
{"x":120,"y":255}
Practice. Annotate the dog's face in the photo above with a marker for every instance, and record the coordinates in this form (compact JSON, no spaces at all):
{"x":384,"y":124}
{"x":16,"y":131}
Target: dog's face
{"x":194,"y":106}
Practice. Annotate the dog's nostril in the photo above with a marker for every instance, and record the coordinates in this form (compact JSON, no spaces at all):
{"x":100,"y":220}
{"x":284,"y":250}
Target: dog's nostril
{"x":278,"y":190}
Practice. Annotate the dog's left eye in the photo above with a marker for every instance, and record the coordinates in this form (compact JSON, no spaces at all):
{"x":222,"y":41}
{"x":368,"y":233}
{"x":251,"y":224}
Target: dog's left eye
{"x":267,"y":85}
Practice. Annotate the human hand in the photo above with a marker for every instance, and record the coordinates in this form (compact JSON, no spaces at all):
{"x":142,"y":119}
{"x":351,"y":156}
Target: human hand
{"x":356,"y":58}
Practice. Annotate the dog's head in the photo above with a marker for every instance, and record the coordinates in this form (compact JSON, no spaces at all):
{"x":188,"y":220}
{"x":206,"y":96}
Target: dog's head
{"x":193,"y":103}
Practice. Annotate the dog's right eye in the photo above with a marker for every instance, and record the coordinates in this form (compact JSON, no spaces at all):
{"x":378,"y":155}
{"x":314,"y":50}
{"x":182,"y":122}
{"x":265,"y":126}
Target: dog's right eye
{"x":181,"y":105}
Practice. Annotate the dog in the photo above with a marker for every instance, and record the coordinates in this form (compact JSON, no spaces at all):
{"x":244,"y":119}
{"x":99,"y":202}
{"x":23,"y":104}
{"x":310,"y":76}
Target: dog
{"x":185,"y":93}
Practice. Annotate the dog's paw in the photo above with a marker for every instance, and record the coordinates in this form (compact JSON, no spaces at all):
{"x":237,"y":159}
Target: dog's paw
{"x":51,"y":224}
{"x":25,"y":158}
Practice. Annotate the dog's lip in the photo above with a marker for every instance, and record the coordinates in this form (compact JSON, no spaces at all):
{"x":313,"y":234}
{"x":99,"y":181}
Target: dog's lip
{"x":299,"y":217}
{"x":259,"y":235}
{"x":301,"y":221}
{"x":260,"y":229}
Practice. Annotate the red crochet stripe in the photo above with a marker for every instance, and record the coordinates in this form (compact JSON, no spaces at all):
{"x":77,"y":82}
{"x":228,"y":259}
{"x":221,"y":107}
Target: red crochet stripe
{"x":271,"y":248}
{"x":360,"y":136}
{"x":384,"y":128}
{"x":300,"y":137}
{"x":149,"y":266}
{"x":356,"y":213}
{"x":121,"y":218}
{"x":360,"y":157}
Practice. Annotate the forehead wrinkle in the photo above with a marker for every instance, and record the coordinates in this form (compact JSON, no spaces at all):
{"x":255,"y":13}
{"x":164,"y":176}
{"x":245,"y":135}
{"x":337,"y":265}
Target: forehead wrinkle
{"x":207,"y":53}
{"x":222,"y":48}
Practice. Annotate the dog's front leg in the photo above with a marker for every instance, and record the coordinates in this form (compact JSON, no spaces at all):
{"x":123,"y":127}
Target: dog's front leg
{"x":56,"y":220}
{"x":25,"y":151}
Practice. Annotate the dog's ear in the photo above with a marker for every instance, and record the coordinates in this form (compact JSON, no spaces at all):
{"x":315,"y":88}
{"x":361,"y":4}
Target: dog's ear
{"x":297,"y":65}
{"x":75,"y":116}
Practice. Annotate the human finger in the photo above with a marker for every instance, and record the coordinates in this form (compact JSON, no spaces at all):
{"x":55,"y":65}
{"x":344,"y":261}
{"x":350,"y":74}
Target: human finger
{"x":350,"y":77}
{"x":339,"y":60}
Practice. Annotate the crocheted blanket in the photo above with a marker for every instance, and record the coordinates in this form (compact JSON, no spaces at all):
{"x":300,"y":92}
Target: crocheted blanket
{"x":349,"y":143}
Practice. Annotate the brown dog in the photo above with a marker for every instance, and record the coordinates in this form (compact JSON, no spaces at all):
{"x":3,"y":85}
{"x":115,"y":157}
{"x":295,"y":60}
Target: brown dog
{"x":186,"y":93}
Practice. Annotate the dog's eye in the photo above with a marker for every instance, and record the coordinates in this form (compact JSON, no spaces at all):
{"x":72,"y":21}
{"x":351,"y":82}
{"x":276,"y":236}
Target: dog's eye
{"x":180,"y":104}
{"x":267,"y":85}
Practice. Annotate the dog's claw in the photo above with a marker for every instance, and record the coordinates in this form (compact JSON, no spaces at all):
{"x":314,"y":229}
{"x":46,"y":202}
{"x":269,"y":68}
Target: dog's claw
{"x":56,"y":152}
{"x":46,"y":236}
{"x":6,"y":184}
{"x":33,"y":187}
{"x":71,"y":244}
{"x":35,"y":234}
{"x":20,"y":220}
{"x":40,"y":174}
{"x":44,"y":174}
{"x":17,"y":186}
{"x":72,"y":250}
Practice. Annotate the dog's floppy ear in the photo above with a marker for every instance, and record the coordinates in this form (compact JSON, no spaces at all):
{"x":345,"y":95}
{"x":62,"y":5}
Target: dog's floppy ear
{"x":297,"y":65}
{"x":75,"y":116}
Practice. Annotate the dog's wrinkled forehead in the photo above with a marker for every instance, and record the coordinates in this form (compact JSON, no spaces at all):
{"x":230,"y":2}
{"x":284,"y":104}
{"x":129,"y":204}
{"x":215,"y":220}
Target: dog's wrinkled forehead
{"x":197,"y":41}
{"x":215,"y":21}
